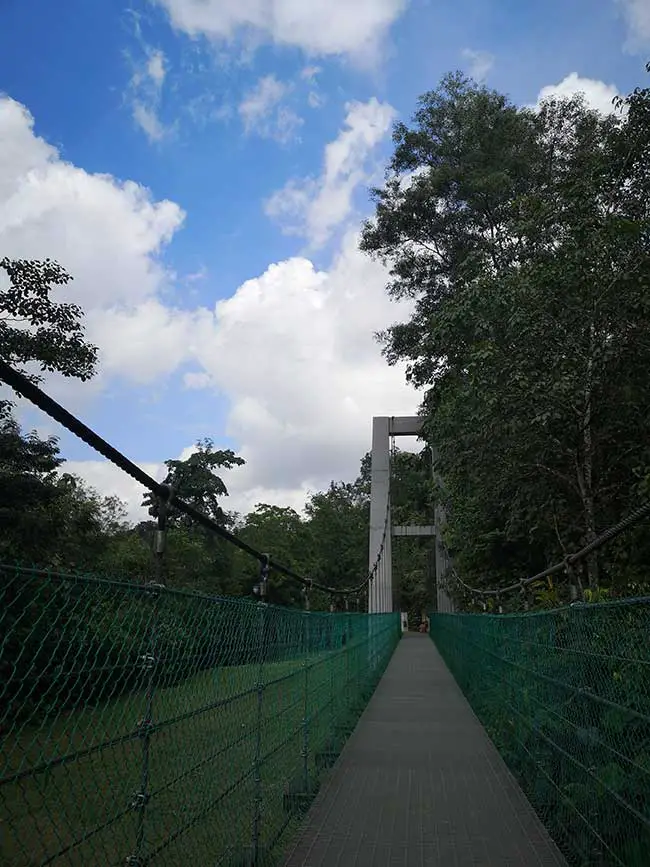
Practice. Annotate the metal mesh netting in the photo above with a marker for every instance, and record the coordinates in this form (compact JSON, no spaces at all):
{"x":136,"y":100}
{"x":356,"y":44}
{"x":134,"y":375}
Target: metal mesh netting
{"x":143,"y":725}
{"x":565,"y":696}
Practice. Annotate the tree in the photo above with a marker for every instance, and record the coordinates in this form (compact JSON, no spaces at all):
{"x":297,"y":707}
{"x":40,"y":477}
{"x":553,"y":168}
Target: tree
{"x":338,"y":523}
{"x":45,"y":517}
{"x":196,"y":557}
{"x":411,"y":497}
{"x":34,"y":328}
{"x":195,"y":481}
{"x":280,"y":532}
{"x":522,"y":239}
{"x":36,"y":503}
{"x":28,"y":466}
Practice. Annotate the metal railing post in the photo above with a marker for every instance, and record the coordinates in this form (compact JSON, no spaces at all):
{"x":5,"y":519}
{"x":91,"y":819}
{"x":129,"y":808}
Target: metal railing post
{"x":304,"y":750}
{"x":149,"y":663}
{"x":257,"y":760}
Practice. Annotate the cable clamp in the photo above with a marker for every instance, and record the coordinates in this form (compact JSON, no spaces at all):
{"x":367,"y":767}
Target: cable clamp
{"x":148,"y":661}
{"x":139,"y":800}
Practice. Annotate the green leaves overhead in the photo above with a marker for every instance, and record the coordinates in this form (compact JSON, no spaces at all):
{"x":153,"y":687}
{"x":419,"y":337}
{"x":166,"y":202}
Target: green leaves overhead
{"x":34,"y":327}
{"x":522,"y":238}
{"x":195,"y":480}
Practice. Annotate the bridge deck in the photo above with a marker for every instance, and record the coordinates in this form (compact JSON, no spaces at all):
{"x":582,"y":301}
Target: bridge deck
{"x":420,"y":783}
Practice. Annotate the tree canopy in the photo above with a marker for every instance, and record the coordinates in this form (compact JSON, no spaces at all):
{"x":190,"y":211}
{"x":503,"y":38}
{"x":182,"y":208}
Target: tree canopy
{"x":521,"y":236}
{"x":44,"y":517}
{"x":195,"y":480}
{"x":35,"y":328}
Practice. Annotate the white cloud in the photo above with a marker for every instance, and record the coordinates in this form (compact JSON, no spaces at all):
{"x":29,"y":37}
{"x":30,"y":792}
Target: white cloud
{"x":107,"y":233}
{"x":480,"y":63}
{"x":263,"y":113}
{"x":149,"y":122}
{"x":293,"y":352}
{"x":637,"y":18}
{"x":292,"y":349}
{"x":145,"y":342}
{"x":197,"y":379}
{"x":156,"y":67}
{"x":309,"y":74}
{"x":598,"y":95}
{"x":108,"y":480}
{"x":314,"y":208}
{"x":144,"y":93}
{"x":319,"y":27}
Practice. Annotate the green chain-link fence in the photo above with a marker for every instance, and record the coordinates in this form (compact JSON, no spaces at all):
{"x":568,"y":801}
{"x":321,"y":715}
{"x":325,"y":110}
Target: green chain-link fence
{"x":565,"y":696}
{"x":148,"y":726}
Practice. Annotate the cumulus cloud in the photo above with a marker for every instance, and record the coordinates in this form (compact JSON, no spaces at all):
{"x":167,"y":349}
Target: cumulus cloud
{"x":313,"y":208}
{"x":318,"y":27}
{"x":479,"y":63}
{"x":291,"y":350}
{"x":154,"y":340}
{"x":598,"y":95}
{"x":637,"y":18}
{"x":108,"y":234}
{"x":294,"y":351}
{"x":262,"y":111}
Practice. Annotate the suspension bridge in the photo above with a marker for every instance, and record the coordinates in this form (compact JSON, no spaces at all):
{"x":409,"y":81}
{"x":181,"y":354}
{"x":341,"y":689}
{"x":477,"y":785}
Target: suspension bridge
{"x":144,"y":725}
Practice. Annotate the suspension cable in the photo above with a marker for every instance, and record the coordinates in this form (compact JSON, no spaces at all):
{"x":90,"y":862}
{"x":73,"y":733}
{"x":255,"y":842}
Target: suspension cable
{"x":28,"y":389}
{"x":611,"y":533}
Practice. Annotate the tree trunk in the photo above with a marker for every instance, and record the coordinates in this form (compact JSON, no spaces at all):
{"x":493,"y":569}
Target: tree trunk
{"x":584,"y":466}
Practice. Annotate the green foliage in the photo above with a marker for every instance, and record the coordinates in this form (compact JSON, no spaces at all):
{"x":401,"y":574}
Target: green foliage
{"x":565,"y":696}
{"x":47,"y":517}
{"x":34,"y":328}
{"x":338,"y":524}
{"x":280,"y":532}
{"x":28,"y":466}
{"x":196,"y":482}
{"x":411,"y":493}
{"x":521,"y":238}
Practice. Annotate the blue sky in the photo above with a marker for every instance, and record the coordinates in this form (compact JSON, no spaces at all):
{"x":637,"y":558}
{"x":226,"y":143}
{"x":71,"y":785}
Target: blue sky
{"x":181,"y":154}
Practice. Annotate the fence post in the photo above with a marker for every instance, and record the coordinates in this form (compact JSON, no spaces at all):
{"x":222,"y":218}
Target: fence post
{"x":304,"y":751}
{"x":149,"y":662}
{"x":257,"y":773}
{"x":257,"y":761}
{"x":307,"y":631}
{"x":333,"y":709}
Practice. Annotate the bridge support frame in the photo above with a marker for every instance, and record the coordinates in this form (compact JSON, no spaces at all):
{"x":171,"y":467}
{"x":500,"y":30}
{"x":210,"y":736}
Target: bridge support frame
{"x":380,"y":597}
